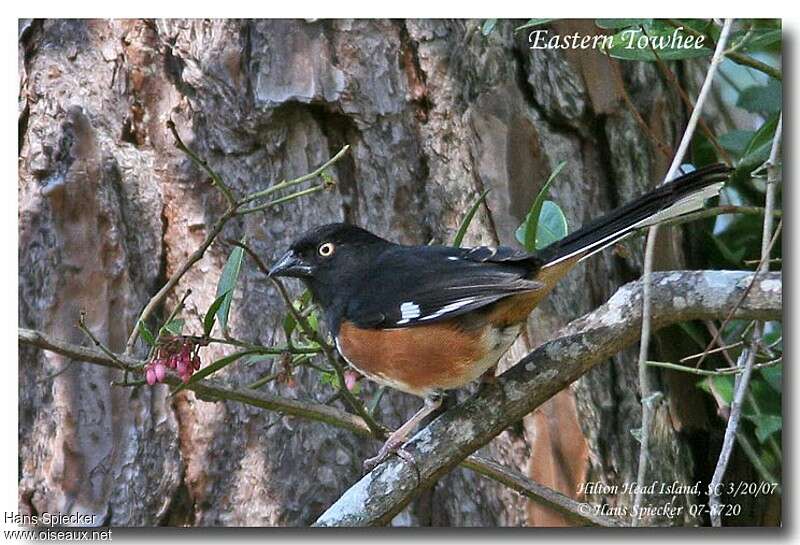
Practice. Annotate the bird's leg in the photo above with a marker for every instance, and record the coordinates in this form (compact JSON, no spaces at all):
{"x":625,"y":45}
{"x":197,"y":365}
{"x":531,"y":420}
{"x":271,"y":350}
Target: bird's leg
{"x":398,"y":437}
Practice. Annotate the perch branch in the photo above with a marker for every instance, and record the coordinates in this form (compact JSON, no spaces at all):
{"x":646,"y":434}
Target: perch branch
{"x":445,"y":442}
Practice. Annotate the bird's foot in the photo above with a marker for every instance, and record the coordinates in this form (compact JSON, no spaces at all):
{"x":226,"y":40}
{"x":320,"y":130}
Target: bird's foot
{"x":392,"y":446}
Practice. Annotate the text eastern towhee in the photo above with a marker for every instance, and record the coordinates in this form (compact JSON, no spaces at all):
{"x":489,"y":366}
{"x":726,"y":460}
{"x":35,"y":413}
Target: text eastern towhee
{"x":423,"y":319}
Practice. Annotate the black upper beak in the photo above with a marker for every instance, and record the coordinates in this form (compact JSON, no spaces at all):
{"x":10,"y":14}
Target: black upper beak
{"x":291,"y":265}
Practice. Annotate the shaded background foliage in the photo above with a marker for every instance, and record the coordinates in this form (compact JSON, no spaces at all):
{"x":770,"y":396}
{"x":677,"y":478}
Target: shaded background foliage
{"x":435,"y":112}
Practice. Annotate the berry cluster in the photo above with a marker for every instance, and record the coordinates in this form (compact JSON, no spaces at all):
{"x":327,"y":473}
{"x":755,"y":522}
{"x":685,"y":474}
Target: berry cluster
{"x":181,"y":356}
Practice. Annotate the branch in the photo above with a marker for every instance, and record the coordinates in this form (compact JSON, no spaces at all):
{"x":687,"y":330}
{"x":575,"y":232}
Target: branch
{"x":738,"y":58}
{"x":204,"y":389}
{"x":575,"y":511}
{"x":586,"y":342}
{"x":748,"y":355}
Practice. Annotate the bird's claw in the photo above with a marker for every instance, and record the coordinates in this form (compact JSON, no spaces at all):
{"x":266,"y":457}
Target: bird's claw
{"x":387,"y":450}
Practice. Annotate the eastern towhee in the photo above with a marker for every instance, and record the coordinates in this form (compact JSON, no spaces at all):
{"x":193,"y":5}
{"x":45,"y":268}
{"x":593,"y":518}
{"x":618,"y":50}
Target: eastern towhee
{"x":424,"y":319}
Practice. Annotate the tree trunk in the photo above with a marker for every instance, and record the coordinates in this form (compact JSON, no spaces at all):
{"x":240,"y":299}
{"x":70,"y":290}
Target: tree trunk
{"x":435,"y":112}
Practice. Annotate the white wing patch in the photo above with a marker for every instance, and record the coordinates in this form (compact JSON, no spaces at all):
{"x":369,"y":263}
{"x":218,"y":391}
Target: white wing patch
{"x":408,"y":312}
{"x":448,"y":308}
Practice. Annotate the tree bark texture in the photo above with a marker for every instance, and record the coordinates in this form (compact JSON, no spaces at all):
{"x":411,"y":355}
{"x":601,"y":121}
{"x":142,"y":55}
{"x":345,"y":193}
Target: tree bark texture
{"x":435,"y":112}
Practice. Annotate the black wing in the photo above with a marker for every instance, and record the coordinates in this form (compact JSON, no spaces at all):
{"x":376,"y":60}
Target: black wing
{"x":417,"y":285}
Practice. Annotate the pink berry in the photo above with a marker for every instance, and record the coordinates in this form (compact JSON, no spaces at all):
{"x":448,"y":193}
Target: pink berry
{"x":160,"y":371}
{"x":150,"y":376}
{"x":185,"y":377}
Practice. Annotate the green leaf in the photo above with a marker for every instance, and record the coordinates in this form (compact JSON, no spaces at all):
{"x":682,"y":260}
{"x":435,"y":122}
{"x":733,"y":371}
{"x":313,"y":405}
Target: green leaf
{"x":527,"y":233}
{"x":227,"y":283}
{"x":626,"y":46}
{"x":736,"y":141}
{"x":462,"y":229}
{"x":761,"y":39}
{"x":211,"y":315}
{"x":757,"y":150}
{"x":773,"y":376}
{"x":289,"y":323}
{"x":762,"y":99}
{"x":488,"y":26}
{"x":213,"y":367}
{"x":146,"y":334}
{"x":552,"y":225}
{"x":534,"y":23}
{"x":175,"y":326}
{"x":614,"y":24}
{"x":766,"y":425}
{"x":723,"y":386}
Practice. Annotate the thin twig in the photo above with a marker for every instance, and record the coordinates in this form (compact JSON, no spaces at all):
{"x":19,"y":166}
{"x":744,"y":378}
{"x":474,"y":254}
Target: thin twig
{"x":747,"y":357}
{"x":283,"y":185}
{"x":707,"y":372}
{"x":196,"y":256}
{"x":202,"y":163}
{"x":738,"y":58}
{"x":582,"y":513}
{"x":649,"y":397}
{"x":715,"y":339}
{"x":687,"y":101}
{"x":98,"y":344}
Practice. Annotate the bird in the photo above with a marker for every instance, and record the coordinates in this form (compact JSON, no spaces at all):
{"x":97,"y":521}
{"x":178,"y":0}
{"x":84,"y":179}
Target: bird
{"x":429,"y":318}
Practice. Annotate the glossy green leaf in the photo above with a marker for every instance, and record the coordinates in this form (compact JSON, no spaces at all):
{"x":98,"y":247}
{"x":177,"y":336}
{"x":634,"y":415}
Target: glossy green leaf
{"x":534,"y":23}
{"x":174,"y":327}
{"x":526,"y":233}
{"x":736,"y":141}
{"x":211,"y":315}
{"x":213,"y":367}
{"x":146,"y":334}
{"x":614,"y":24}
{"x":766,"y":425}
{"x":488,"y":26}
{"x":773,"y":376}
{"x":552,"y":225}
{"x":762,"y":99}
{"x":462,"y":229}
{"x":289,"y":323}
{"x":626,"y":46}
{"x":227,"y":283}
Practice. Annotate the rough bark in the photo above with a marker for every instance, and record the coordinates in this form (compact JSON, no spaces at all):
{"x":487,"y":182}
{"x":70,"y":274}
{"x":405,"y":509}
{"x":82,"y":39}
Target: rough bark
{"x":434,"y":112}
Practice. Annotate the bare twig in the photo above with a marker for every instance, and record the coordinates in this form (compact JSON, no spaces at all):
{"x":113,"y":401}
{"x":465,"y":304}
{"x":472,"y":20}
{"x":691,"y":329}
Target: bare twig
{"x":289,"y":183}
{"x":196,"y":256}
{"x":649,"y":397}
{"x":202,"y":163}
{"x":738,"y":58}
{"x":581,"y":513}
{"x":710,"y":372}
{"x":748,"y":354}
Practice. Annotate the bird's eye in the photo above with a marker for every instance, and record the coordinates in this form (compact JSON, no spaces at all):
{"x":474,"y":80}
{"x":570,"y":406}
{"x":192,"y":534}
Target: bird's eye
{"x":326,"y":249}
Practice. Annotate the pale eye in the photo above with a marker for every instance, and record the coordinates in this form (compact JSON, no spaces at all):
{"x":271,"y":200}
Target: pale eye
{"x":326,"y":249}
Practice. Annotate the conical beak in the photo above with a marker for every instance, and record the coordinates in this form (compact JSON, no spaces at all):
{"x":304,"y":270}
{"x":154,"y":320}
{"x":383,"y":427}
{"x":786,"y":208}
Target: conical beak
{"x":291,"y":265}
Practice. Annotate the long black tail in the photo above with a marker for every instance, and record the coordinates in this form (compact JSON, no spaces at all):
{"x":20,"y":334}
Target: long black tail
{"x":676,"y":198}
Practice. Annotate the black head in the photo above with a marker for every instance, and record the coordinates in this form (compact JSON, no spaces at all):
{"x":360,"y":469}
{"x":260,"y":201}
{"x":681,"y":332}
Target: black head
{"x":330,"y":259}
